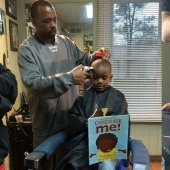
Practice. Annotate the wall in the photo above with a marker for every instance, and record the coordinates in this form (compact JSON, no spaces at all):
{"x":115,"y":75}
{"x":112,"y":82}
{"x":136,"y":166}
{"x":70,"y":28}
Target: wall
{"x":149,"y":134}
{"x":78,"y":38}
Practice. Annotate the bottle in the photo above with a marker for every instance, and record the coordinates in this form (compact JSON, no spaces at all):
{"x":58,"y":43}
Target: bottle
{"x":99,"y":54}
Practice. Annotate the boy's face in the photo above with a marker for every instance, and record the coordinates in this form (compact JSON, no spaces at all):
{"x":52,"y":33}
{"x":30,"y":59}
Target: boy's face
{"x":101,"y":77}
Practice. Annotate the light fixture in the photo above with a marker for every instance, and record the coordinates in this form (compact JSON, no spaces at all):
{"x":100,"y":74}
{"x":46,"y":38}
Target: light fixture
{"x":89,"y":11}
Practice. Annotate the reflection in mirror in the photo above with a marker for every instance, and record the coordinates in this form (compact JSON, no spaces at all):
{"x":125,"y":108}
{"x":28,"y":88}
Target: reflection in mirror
{"x":74,"y":20}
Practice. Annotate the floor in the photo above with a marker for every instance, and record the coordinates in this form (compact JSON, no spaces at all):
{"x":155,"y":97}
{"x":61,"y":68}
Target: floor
{"x":155,"y":165}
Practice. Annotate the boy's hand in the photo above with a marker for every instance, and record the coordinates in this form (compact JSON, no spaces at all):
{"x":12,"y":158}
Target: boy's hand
{"x":86,"y":124}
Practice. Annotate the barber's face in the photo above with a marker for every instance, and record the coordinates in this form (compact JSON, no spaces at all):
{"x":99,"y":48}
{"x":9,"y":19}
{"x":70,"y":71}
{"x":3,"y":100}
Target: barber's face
{"x":45,"y":23}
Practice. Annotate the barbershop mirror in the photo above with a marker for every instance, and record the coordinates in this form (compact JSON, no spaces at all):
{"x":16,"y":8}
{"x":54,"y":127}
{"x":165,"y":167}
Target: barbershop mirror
{"x":74,"y":20}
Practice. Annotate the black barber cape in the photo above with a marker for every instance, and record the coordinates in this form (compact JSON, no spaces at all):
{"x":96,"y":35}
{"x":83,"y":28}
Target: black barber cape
{"x":77,"y":148}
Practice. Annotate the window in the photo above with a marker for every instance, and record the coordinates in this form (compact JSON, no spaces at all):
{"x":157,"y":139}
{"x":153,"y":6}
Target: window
{"x":132,"y":32}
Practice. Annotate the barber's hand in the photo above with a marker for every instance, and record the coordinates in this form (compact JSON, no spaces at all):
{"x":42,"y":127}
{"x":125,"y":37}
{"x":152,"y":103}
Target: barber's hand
{"x":79,"y":75}
{"x":167,"y":105}
{"x":106,"y":53}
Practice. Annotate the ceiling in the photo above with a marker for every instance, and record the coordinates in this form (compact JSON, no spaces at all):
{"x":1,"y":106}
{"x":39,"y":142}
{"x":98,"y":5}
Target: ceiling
{"x":72,"y":12}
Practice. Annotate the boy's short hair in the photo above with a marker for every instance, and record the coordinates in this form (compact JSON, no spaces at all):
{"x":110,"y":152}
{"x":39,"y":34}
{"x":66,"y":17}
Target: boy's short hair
{"x":101,"y":62}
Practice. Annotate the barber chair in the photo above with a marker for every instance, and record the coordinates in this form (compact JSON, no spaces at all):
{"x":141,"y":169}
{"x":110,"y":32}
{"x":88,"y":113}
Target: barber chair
{"x":34,"y":160}
{"x":140,"y":156}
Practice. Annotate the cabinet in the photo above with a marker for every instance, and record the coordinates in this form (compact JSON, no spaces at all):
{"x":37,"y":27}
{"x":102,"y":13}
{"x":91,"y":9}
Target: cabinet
{"x":21,"y":140}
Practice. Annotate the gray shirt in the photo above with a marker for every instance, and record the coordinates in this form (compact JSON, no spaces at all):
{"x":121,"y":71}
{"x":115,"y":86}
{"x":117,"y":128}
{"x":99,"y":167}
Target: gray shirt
{"x":44,"y":70}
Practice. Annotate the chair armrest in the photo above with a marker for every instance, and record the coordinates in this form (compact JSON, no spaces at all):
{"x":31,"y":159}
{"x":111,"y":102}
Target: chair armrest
{"x":140,"y":155}
{"x":43,"y":151}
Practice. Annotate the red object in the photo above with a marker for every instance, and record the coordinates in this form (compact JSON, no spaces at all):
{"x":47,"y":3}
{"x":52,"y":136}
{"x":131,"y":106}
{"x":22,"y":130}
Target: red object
{"x":99,"y":54}
{"x":2,"y":167}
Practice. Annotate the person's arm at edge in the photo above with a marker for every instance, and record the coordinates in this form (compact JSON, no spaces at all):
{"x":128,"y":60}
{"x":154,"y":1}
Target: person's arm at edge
{"x":8,"y":84}
{"x":166,"y":106}
{"x":165,"y":26}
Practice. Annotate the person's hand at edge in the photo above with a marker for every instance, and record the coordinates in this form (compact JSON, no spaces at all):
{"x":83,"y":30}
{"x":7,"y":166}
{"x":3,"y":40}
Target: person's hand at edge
{"x":79,"y":75}
{"x":166,"y":106}
{"x":165,"y":26}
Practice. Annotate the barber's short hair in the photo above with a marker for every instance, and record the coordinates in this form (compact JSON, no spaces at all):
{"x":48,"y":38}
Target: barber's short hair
{"x":36,"y":4}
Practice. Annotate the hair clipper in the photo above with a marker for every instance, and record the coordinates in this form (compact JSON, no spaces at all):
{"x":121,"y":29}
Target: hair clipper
{"x":87,"y":69}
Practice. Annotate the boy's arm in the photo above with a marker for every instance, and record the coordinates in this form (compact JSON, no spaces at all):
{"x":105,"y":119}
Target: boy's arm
{"x":77,"y":118}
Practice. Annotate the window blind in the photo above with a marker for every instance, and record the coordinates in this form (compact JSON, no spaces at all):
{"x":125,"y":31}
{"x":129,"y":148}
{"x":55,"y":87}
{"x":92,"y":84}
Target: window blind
{"x":132,"y":32}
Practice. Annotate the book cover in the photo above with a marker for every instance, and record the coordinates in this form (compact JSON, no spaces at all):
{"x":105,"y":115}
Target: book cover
{"x":108,"y":137}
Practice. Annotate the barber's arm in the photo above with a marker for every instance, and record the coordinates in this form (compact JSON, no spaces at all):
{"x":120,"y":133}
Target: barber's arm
{"x":51,"y":86}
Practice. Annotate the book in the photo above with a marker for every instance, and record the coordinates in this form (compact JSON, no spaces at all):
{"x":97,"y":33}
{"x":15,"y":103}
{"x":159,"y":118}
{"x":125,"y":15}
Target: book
{"x":108,"y":137}
{"x":98,"y":113}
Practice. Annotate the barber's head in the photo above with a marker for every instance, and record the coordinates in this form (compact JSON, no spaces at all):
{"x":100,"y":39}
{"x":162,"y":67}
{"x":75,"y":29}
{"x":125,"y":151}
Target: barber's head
{"x":44,"y":19}
{"x":101,"y":74}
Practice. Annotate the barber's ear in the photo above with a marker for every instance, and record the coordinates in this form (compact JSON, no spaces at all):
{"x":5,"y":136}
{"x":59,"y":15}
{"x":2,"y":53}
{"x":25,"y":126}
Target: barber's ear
{"x":111,"y":78}
{"x":33,"y":22}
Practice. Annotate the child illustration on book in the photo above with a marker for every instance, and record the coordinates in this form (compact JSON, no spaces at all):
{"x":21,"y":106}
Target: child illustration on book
{"x":104,"y":96}
{"x":106,"y":143}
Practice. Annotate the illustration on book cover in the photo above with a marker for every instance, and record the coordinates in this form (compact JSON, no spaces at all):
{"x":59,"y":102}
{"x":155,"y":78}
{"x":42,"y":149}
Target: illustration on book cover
{"x":108,"y":136}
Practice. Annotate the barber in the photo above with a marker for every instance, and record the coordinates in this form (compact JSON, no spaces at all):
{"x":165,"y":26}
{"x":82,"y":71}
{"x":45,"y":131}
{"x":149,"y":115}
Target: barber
{"x":51,"y":68}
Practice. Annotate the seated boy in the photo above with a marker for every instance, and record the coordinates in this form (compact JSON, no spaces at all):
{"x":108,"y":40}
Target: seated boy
{"x":102,"y":94}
